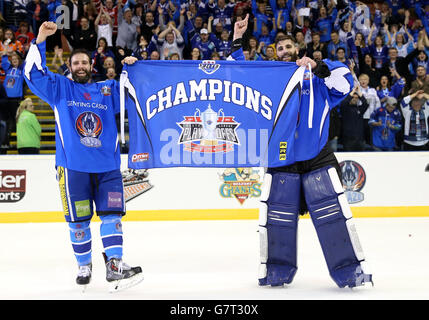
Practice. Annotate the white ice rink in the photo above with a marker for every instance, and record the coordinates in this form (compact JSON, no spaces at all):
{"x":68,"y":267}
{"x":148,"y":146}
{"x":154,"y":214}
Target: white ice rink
{"x":210,"y":260}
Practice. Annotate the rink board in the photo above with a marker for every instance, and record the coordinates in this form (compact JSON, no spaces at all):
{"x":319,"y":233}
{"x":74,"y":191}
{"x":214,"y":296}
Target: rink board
{"x":377,"y":185}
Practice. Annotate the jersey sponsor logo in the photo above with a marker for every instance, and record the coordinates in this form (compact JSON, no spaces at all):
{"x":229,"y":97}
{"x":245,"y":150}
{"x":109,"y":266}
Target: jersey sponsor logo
{"x":87,"y":96}
{"x":63,"y":190}
{"x":82,"y":208}
{"x":208,"y":132}
{"x":12,"y":185}
{"x":209,"y":66}
{"x":114,"y":200}
{"x":353,"y":180}
{"x":106,"y":90}
{"x":89,"y":127}
{"x":140,"y":157}
{"x":240,"y":183}
{"x":135,"y":182}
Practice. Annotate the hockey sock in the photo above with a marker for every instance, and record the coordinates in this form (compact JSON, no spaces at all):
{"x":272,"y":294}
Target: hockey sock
{"x":80,"y":236}
{"x":111,"y":235}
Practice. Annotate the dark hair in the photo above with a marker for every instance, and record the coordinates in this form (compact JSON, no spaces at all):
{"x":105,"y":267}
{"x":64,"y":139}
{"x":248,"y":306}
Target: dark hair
{"x":285,"y":37}
{"x":76,"y":51}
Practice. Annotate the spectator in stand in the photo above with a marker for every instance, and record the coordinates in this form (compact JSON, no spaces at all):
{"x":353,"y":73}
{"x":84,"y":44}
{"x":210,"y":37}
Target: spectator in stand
{"x":415,"y":110}
{"x":266,"y":36}
{"x":222,"y":42}
{"x":104,"y":26}
{"x":254,"y":49}
{"x":385,"y":89}
{"x":196,"y":54}
{"x":334,"y":44}
{"x":85,"y":37}
{"x":154,"y":55}
{"x":270,"y":54}
{"x":352,"y":109}
{"x":400,"y":64}
{"x":377,"y":49}
{"x":340,"y":54}
{"x":421,"y":82}
{"x":203,"y":43}
{"x":28,"y":130}
{"x":300,"y":43}
{"x":113,"y":11}
{"x":10,"y":44}
{"x":221,"y":12}
{"x":398,"y":41}
{"x":127,"y":30}
{"x":367,"y":66}
{"x":23,"y":35}
{"x":148,"y":27}
{"x":39,"y":12}
{"x":373,"y":102}
{"x":386,"y":122}
{"x":420,"y":60}
{"x":75,"y":12}
{"x":61,"y":67}
{"x":281,"y":11}
{"x":111,"y":74}
{"x":324,"y":24}
{"x":262,"y":17}
{"x":316,"y":45}
{"x":138,"y":16}
{"x":171,"y":40}
{"x":90,"y":11}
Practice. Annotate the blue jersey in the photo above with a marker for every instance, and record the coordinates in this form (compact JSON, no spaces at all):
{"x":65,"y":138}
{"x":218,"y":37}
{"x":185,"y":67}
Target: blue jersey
{"x":313,"y":128}
{"x":86,"y":136}
{"x":14,"y":80}
{"x":384,"y":136}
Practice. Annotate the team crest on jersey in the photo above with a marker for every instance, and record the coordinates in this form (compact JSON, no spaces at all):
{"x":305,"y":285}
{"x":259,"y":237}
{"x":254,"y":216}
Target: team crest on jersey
{"x":209,"y":66}
{"x":89,"y":127}
{"x":353,"y":180}
{"x":106,"y":91}
{"x":240,"y":183}
{"x":208,"y":132}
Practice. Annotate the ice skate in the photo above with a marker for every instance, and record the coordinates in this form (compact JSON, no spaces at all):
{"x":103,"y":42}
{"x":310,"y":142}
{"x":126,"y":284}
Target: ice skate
{"x":121,"y":276}
{"x":84,"y":276}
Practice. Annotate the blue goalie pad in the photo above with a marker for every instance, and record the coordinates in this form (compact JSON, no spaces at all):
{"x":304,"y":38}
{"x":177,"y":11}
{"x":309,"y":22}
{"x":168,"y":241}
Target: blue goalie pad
{"x":278,"y":228}
{"x":332,"y":218}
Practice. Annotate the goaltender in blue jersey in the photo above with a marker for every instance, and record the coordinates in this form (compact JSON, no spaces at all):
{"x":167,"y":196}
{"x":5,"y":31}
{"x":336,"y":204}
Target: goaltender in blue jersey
{"x":87,"y":156}
{"x":311,"y":184}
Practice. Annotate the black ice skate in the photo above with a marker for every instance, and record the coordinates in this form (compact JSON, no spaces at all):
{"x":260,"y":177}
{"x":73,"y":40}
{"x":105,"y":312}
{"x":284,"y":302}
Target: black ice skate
{"x":84,"y":275}
{"x":122,"y":276}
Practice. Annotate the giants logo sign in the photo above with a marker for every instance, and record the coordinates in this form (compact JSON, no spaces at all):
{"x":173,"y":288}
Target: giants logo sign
{"x":12,"y":185}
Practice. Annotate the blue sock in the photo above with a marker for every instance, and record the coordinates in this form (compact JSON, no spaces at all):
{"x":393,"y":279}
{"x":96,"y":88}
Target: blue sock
{"x":80,"y":236}
{"x":111,"y":235}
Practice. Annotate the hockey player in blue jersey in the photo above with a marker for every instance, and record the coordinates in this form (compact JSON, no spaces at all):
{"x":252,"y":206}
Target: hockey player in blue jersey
{"x":311,"y":184}
{"x":87,"y":156}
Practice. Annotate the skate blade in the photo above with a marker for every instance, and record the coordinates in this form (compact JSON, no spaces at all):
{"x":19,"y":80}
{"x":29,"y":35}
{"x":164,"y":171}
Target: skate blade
{"x":83,"y":288}
{"x":123,"y":284}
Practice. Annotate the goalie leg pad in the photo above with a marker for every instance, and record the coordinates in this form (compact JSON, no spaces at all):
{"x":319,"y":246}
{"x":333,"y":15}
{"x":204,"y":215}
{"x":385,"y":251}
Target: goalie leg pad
{"x":278,"y":228}
{"x":332,"y":219}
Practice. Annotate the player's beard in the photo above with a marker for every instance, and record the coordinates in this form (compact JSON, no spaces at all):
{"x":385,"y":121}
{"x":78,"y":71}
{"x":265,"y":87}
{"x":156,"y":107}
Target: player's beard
{"x":81,"y":79}
{"x":290,"y":58}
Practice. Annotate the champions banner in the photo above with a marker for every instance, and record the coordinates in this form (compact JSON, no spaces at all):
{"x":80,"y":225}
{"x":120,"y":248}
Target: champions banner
{"x":210,"y":113}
